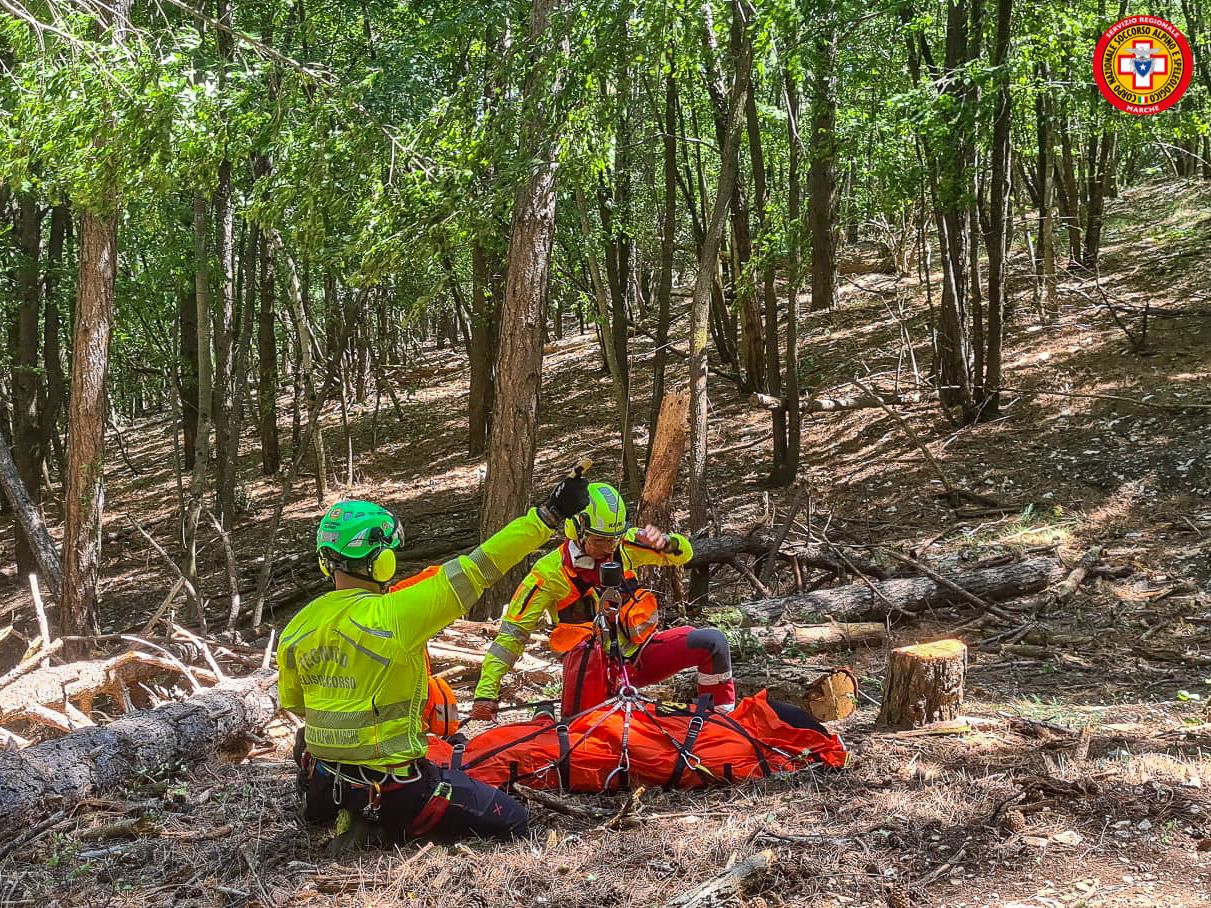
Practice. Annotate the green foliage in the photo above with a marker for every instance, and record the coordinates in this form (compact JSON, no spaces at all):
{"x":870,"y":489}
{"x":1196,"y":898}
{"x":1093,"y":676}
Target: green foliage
{"x":389,"y":133}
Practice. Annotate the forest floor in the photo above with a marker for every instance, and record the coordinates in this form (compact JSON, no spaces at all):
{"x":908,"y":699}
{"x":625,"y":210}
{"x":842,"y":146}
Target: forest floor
{"x":1124,"y":467}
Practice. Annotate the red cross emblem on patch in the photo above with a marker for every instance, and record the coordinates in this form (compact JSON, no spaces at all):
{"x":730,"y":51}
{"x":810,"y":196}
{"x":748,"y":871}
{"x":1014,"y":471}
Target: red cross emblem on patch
{"x":1144,"y":61}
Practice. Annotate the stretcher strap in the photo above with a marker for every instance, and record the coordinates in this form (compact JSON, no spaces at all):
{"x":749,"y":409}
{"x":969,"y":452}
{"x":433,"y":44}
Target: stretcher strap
{"x":565,"y":757}
{"x":691,"y":737}
{"x":755,"y":743}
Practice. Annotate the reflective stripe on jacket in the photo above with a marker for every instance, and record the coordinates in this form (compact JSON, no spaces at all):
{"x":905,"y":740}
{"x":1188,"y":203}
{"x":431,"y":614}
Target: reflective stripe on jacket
{"x":550,"y":589}
{"x":353,"y":663}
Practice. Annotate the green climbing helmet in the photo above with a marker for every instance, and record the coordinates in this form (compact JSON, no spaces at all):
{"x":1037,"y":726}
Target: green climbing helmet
{"x":606,"y":514}
{"x":355,"y":530}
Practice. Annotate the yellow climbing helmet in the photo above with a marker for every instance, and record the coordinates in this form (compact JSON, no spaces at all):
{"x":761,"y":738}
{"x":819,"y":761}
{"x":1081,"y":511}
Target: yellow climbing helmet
{"x":606,"y":514}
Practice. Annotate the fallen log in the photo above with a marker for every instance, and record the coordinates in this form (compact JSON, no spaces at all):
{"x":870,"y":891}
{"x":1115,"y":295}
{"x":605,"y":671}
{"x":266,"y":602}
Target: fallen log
{"x":907,"y":594}
{"x":29,"y":519}
{"x":443,"y":653}
{"x":1067,"y":589}
{"x":838,"y":404}
{"x":836,"y":635}
{"x":730,"y":881}
{"x":727,"y":547}
{"x":59,"y":773}
{"x":787,"y":683}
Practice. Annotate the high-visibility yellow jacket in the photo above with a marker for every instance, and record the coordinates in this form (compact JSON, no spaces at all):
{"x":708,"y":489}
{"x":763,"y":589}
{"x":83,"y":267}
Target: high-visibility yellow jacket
{"x":352,"y":662}
{"x":550,"y":589}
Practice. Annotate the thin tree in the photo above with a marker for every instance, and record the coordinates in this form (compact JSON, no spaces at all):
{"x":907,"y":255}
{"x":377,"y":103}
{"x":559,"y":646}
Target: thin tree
{"x":668,"y":248}
{"x":513,"y":444}
{"x":742,"y":11}
{"x":997,"y":240}
{"x":84,"y":495}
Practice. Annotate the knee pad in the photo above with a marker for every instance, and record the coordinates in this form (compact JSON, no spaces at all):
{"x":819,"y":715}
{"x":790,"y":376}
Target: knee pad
{"x":710,"y":639}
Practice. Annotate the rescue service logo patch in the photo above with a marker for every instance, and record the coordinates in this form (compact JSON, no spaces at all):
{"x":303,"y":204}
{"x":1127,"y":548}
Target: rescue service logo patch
{"x":1143,"y":65}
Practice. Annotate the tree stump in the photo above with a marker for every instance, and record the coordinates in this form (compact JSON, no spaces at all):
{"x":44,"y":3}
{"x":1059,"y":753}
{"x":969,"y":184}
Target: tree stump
{"x":924,"y":684}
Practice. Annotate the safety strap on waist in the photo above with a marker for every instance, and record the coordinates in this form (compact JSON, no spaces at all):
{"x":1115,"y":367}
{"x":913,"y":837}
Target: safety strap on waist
{"x":385,"y":779}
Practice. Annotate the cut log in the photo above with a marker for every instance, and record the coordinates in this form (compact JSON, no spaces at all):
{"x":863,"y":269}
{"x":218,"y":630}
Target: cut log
{"x":924,"y":684}
{"x":832,"y":697}
{"x":59,"y":773}
{"x":908,"y":594}
{"x":788,"y":683}
{"x":820,"y":636}
{"x":785,"y":682}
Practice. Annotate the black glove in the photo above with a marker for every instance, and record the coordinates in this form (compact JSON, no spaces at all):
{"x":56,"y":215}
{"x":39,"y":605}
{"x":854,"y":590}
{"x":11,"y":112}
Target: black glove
{"x":568,"y":499}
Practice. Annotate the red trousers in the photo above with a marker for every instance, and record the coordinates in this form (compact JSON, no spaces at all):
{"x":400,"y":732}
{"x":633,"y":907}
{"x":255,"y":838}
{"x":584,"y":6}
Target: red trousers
{"x":586,"y":681}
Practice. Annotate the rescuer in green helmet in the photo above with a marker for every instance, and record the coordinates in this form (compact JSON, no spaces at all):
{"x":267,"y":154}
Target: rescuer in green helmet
{"x":353,"y":665}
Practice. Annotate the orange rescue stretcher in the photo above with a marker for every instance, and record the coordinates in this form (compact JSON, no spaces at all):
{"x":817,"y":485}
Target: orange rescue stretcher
{"x":630,"y":740}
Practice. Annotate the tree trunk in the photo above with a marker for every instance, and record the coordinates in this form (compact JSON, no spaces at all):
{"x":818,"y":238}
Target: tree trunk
{"x":197,"y":484}
{"x":1070,"y":201}
{"x":623,"y":239}
{"x":752,"y":350}
{"x":664,"y":463}
{"x":1101,"y":163}
{"x":243,"y":350}
{"x":794,"y":421}
{"x":613,"y":362}
{"x":512,"y":447}
{"x":742,"y":10}
{"x":93,"y":760}
{"x":267,"y":365}
{"x":187,"y":372}
{"x":56,"y":384}
{"x":29,"y":519}
{"x":485,"y":314}
{"x":822,"y":172}
{"x":23,"y":348}
{"x":298,"y":295}
{"x":924,"y":684}
{"x":668,"y":245}
{"x":819,"y":636}
{"x":773,"y":358}
{"x":84,"y":494}
{"x":999,"y":216}
{"x":223,"y":337}
{"x":1046,"y":192}
{"x":951,"y":182}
